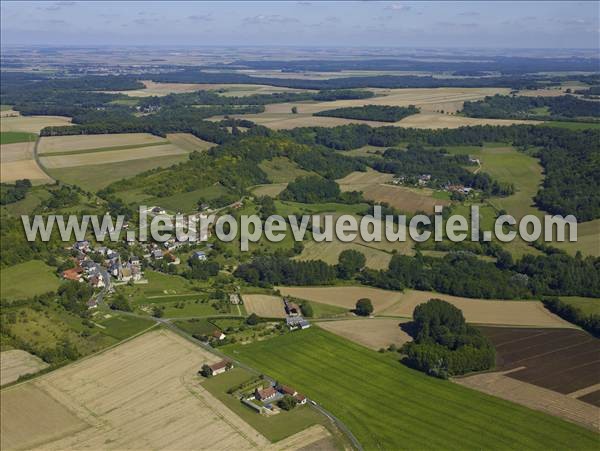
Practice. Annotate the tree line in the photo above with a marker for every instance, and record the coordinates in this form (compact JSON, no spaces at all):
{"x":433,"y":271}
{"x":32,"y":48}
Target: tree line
{"x":382,"y":113}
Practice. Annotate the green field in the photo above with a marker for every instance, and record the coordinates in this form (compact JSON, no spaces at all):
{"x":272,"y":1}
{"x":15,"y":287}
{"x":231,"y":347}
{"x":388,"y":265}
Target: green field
{"x":282,"y":170}
{"x":388,"y":406}
{"x":590,"y":306}
{"x":97,"y":176}
{"x":120,"y":327}
{"x":574,"y":125}
{"x":35,"y":196}
{"x":16,"y":137}
{"x":27,"y":279}
{"x":276,"y":427}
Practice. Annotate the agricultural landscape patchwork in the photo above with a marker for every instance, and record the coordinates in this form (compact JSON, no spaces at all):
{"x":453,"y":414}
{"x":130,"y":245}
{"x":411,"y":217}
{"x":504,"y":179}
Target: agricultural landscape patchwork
{"x":132,"y":344}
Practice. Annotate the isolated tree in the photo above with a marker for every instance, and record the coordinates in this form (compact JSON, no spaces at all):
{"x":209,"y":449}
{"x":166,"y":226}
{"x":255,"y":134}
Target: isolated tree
{"x":287,"y":402}
{"x":364,"y":307}
{"x":307,"y":309}
{"x":349,"y":263}
{"x":206,"y":371}
{"x":252,"y":320}
{"x":294,"y":110}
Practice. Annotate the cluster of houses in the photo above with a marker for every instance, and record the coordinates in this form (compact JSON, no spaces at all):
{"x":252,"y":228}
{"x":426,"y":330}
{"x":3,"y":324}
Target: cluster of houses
{"x":421,"y":180}
{"x":294,"y":319}
{"x":98,"y":275}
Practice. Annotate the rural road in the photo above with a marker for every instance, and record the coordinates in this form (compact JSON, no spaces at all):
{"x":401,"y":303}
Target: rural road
{"x":168,"y":324}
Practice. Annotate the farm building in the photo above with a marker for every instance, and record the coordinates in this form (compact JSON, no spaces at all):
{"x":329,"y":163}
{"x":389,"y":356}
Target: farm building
{"x":220,"y":367}
{"x":199,"y":255}
{"x":265,"y":394}
{"x":291,"y":308}
{"x":284,"y":389}
{"x":296,"y":322}
{"x":219,"y":335}
{"x":72,"y":274}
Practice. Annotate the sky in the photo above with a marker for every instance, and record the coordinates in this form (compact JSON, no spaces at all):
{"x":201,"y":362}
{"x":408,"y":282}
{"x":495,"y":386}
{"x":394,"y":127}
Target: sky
{"x":421,"y":24}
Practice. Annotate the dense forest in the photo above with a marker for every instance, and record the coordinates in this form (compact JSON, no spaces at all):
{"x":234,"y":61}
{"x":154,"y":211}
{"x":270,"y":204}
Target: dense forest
{"x":383,"y":113}
{"x":444,"y":344}
{"x":524,"y":107}
{"x":271,"y":270}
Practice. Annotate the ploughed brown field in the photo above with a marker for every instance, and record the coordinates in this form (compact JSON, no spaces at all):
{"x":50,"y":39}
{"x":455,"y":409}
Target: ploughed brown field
{"x":562,"y":360}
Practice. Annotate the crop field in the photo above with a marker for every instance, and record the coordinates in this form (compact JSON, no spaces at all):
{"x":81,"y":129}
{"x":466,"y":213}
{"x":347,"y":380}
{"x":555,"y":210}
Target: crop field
{"x":16,"y":363}
{"x":500,"y":384}
{"x":27,"y":279}
{"x":52,"y":144}
{"x":561,"y":360}
{"x":588,"y":239}
{"x":420,"y":411}
{"x":264,"y":305}
{"x":140,"y":395}
{"x":12,"y":121}
{"x":402,"y":304}
{"x":16,"y":137}
{"x":483,"y":311}
{"x":556,"y":371}
{"x":189,"y":142}
{"x":97,"y":176}
{"x":17,"y":162}
{"x":431,"y":101}
{"x":345,"y":297}
{"x":374,"y":333}
{"x":590,"y":306}
{"x":374,"y":187}
{"x":111,"y":156}
{"x":330,"y":252}
{"x":162,"y":89}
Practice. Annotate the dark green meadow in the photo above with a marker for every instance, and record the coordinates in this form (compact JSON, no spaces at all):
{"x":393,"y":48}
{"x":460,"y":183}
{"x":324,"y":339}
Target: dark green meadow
{"x":389,"y":406}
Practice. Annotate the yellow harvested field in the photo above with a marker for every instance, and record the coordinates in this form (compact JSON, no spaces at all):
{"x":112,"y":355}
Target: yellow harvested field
{"x":374,"y":333}
{"x":52,"y":144}
{"x":482,"y":311}
{"x":22,"y":407}
{"x":345,"y":297}
{"x":431,"y":101}
{"x":189,"y":142}
{"x":111,"y":156}
{"x":314,"y":438}
{"x":16,"y":363}
{"x":143,"y":394}
{"x":17,"y":162}
{"x":374,"y":187}
{"x":16,"y":152}
{"x":31,"y":124}
{"x":264,"y":305}
{"x":537,"y":398}
{"x":402,"y":304}
{"x":330,"y":252}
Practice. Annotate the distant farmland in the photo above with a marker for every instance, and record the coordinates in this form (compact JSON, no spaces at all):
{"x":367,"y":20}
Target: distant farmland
{"x":359,"y":386}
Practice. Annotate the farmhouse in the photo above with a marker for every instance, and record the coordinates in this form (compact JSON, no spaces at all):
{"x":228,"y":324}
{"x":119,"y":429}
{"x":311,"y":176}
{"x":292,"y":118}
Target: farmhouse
{"x":219,"y":335}
{"x":72,"y":274}
{"x":291,"y":308}
{"x":296,"y":322}
{"x":285,"y":390}
{"x":199,"y":255}
{"x":265,"y":394}
{"x":220,"y":367}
